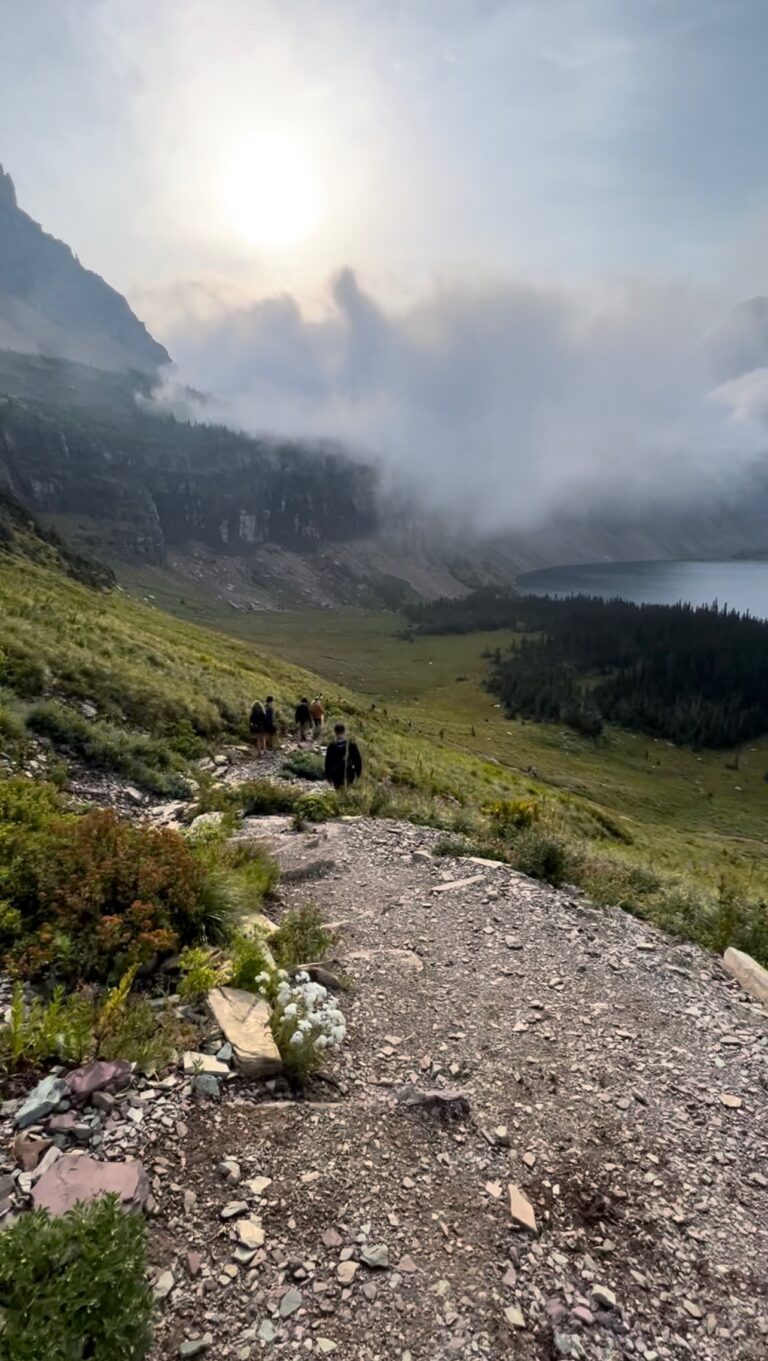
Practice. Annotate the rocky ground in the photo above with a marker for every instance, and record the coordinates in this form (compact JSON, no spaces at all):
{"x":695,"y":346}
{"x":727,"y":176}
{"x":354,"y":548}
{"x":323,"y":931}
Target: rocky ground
{"x":587,"y":1179}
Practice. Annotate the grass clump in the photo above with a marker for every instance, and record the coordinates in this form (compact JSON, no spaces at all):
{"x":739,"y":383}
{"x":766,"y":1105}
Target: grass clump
{"x":508,"y":816}
{"x":148,"y":761}
{"x":260,"y":798}
{"x":301,"y":938}
{"x":459,"y":846}
{"x":75,"y":1287}
{"x":249,"y":963}
{"x":307,"y":765}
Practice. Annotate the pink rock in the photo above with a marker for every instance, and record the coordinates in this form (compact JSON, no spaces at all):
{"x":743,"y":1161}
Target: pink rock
{"x":583,"y":1314}
{"x":194,"y":1263}
{"x":76,"y":1177}
{"x":61,"y":1124}
{"x":98,"y":1075}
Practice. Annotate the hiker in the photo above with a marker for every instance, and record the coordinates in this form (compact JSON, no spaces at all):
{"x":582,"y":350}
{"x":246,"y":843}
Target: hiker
{"x":271,"y":721}
{"x":343,"y":762}
{"x":303,"y":718}
{"x":318,"y":714}
{"x":257,"y":723}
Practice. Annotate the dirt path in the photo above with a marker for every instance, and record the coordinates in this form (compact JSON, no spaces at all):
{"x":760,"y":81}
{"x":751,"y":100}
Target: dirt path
{"x":606,"y":1052}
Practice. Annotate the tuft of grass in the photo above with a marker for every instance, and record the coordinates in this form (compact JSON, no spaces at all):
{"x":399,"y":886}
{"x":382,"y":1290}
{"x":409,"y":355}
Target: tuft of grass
{"x":307,"y":765}
{"x":301,"y":938}
{"x":75,"y":1286}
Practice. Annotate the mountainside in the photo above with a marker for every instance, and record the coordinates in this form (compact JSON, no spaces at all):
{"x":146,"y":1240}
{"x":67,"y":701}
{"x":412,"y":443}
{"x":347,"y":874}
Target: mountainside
{"x":51,"y":304}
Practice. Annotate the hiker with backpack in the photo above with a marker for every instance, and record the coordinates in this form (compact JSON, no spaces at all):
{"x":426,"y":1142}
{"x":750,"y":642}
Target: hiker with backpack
{"x":343,"y":762}
{"x":318,"y":714}
{"x":303,"y":719}
{"x":257,"y":723}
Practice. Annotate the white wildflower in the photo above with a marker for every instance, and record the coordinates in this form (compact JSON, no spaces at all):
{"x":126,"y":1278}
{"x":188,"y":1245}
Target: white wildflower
{"x":290,"y":1011}
{"x":297,"y":1038}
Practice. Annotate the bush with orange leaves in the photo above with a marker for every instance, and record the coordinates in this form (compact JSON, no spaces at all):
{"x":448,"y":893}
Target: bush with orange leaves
{"x":87,"y":896}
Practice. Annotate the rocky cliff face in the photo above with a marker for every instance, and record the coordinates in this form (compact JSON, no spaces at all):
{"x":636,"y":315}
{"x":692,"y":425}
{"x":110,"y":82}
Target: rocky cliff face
{"x":132,"y":485}
{"x":51,"y":304}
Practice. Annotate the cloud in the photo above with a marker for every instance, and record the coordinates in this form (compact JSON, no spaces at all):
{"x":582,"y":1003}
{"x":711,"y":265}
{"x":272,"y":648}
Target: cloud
{"x":504,"y":403}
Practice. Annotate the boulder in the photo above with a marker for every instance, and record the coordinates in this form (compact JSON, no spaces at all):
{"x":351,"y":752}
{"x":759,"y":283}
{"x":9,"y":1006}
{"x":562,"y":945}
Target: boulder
{"x":77,"y":1177}
{"x":42,"y":1101}
{"x":98,"y":1076}
{"x":244,"y":1021}
{"x":751,"y":975}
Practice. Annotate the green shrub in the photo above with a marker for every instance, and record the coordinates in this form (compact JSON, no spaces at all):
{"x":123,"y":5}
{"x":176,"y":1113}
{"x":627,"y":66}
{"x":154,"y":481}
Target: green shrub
{"x":301,"y":938}
{"x":259,"y":798}
{"x":307,"y":765}
{"x":147,"y":761}
{"x":249,"y":963}
{"x":320,"y":807}
{"x":540,"y":855}
{"x":201,"y":971}
{"x":87,"y":1024}
{"x":75,"y":1287}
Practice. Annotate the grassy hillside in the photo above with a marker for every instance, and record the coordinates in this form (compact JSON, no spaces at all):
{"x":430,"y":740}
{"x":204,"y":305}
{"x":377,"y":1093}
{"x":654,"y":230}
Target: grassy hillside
{"x":437,"y":749}
{"x":682,"y":812}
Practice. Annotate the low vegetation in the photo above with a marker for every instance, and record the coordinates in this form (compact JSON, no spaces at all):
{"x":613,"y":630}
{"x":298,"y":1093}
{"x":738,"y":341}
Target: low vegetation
{"x":75,"y":1287}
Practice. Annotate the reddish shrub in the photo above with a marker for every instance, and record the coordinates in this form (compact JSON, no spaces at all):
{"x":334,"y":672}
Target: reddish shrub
{"x":100,"y":894}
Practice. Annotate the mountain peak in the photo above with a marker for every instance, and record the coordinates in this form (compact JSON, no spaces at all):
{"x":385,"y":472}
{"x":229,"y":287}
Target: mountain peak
{"x":7,"y":189}
{"x":51,"y":305}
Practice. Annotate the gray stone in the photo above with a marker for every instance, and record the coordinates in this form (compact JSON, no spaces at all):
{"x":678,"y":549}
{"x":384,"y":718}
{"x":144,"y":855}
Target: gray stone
{"x":602,"y":1295}
{"x":163,"y":1286}
{"x":266,"y":1331}
{"x":205,"y":1084}
{"x":224,"y":1055}
{"x":104,"y":1101}
{"x":196,"y":1346}
{"x":42,"y":1101}
{"x":377,"y":1255}
{"x":291,"y":1301}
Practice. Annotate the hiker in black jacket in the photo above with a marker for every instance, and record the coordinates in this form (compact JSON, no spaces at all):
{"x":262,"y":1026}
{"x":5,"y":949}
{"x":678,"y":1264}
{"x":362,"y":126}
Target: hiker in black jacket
{"x":343,"y":762}
{"x":303,"y":720}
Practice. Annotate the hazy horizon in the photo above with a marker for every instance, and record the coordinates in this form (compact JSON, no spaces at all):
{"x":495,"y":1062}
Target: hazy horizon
{"x":484,"y":240}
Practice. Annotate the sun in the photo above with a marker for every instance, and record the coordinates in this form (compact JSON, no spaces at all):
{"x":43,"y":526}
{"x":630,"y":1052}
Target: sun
{"x":269,"y":192}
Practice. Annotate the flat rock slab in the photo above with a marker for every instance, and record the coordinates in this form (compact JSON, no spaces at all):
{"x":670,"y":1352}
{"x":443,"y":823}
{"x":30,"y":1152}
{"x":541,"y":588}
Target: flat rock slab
{"x":459,"y":883}
{"x":751,"y":975}
{"x":76,"y":1177}
{"x":244,"y":1021}
{"x":195,"y":1062}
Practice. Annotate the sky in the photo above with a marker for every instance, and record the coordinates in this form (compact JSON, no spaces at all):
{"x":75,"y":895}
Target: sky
{"x":440,"y":229}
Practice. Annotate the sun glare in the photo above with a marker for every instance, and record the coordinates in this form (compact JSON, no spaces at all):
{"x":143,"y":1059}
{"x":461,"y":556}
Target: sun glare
{"x":269,"y":192}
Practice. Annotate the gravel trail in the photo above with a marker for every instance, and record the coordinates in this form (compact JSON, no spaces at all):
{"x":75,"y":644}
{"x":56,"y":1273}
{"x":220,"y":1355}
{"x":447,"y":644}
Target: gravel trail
{"x":617,"y":1080}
